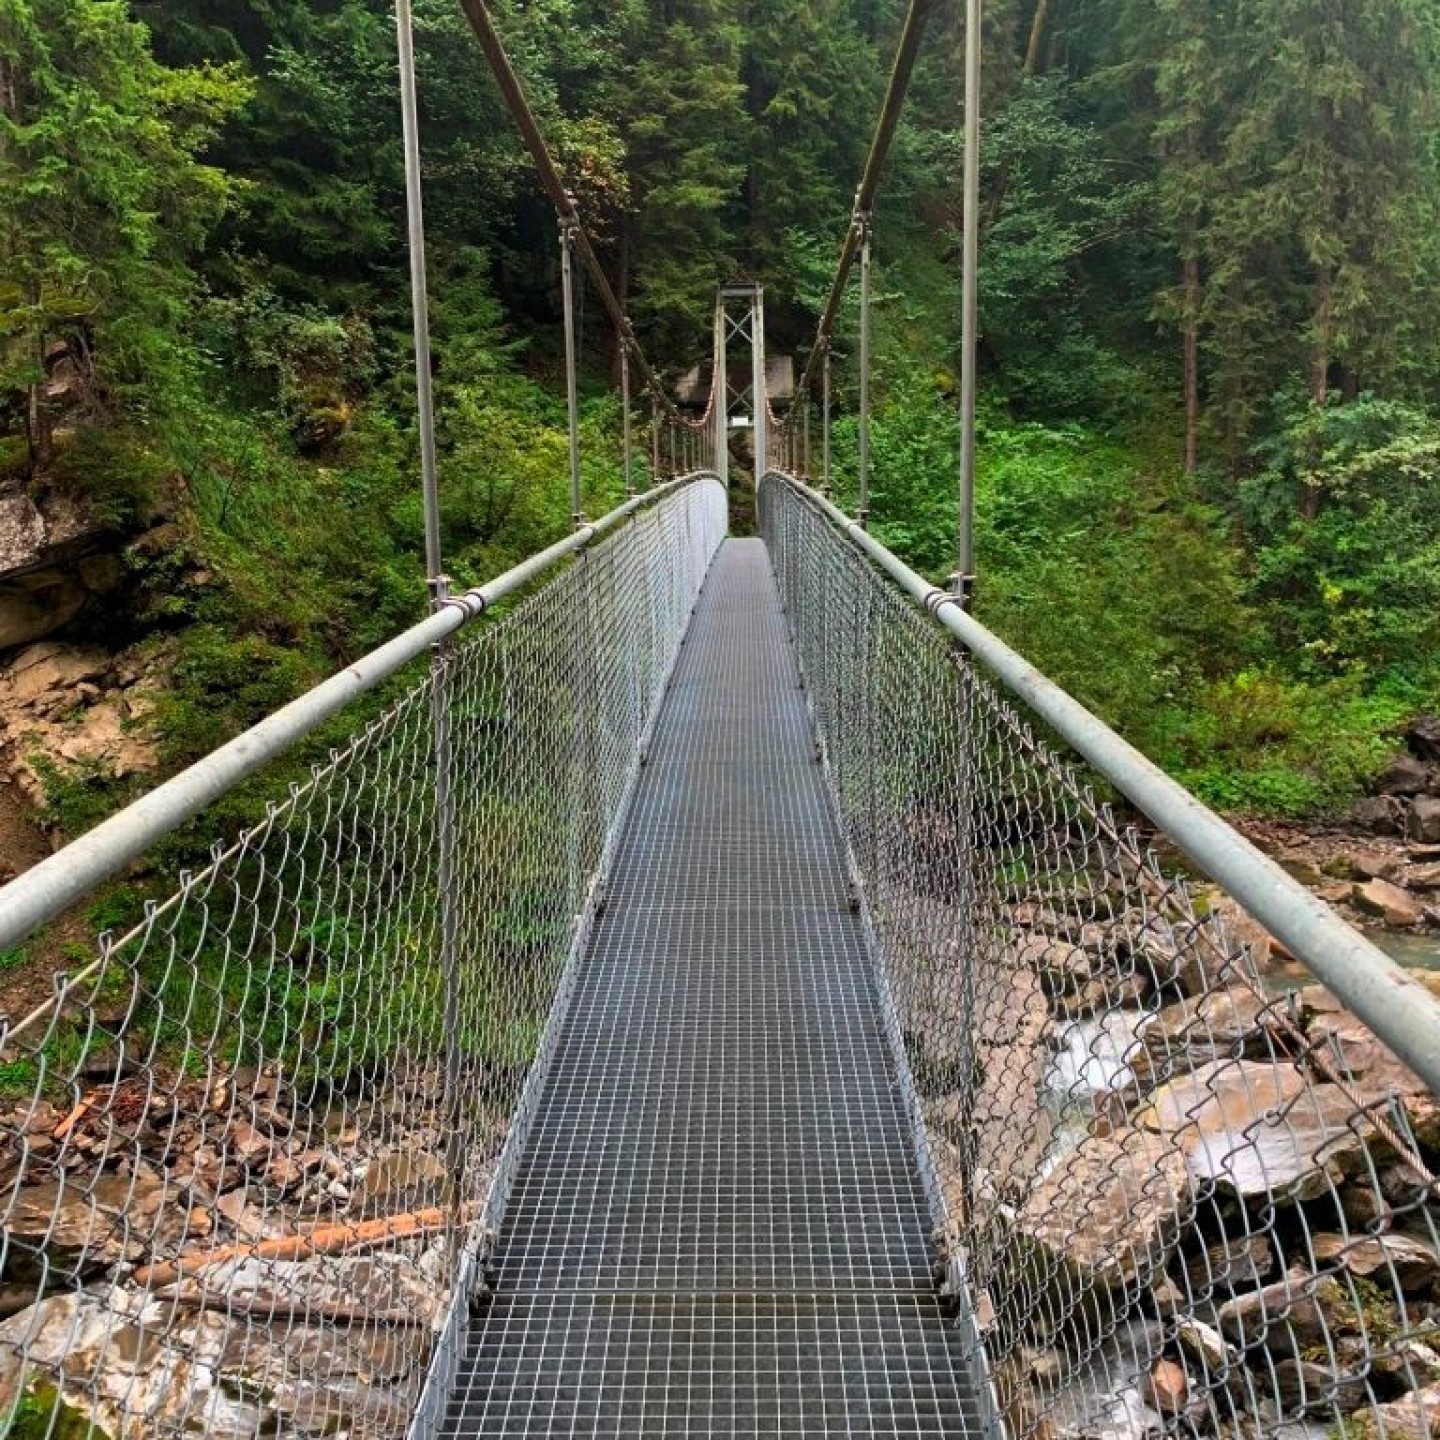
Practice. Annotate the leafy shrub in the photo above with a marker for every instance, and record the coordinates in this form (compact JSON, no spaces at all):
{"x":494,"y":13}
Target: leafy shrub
{"x":1343,"y":522}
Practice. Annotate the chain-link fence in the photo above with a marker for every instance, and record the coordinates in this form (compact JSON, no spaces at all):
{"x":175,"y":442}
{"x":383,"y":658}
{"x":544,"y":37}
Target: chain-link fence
{"x":246,"y":1148}
{"x":1173,"y":1196}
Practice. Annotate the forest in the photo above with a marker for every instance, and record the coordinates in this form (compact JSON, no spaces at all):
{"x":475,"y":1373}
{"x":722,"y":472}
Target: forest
{"x":1209,"y":468}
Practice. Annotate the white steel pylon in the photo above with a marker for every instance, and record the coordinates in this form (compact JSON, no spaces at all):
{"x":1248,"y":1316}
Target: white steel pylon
{"x":740,"y":315}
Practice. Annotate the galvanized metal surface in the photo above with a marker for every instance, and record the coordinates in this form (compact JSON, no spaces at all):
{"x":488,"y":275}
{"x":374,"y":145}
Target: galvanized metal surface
{"x":49,"y":888}
{"x":718,"y":1226}
{"x":969,"y":316}
{"x":1396,"y":1006}
{"x":1188,"y":1193}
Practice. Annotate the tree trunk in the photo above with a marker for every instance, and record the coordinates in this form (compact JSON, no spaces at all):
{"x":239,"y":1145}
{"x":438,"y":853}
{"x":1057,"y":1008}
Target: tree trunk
{"x":9,"y":91}
{"x":1191,"y":347}
{"x":1320,"y":355}
{"x":1028,"y":69}
{"x":1319,"y":376}
{"x":1037,"y":33}
{"x":39,"y":431}
{"x":39,"y":427}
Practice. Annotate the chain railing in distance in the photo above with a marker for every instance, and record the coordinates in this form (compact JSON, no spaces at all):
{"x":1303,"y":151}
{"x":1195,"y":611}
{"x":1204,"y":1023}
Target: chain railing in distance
{"x":235,"y":1187}
{"x":1177,"y":1193}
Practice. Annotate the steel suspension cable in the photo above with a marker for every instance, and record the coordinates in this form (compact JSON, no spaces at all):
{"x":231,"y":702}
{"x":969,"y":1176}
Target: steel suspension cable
{"x":516,"y":101}
{"x":900,"y":74}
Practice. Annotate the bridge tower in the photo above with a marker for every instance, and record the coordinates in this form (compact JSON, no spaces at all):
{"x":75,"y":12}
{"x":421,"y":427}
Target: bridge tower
{"x":740,"y":315}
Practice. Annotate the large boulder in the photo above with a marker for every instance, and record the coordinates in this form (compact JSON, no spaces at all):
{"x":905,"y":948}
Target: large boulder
{"x":1390,"y":903}
{"x":282,"y":1359}
{"x":1423,"y":824}
{"x":1111,"y":1210}
{"x":1415,"y":1416}
{"x":1405,"y":775}
{"x":73,"y":1228}
{"x":50,"y":552}
{"x":1392,"y":1260}
{"x":1300,"y":1316}
{"x":1304,"y":1385}
{"x":1423,"y":737}
{"x":1219,"y":1024}
{"x":1379,"y":814}
{"x":1259,"y":1129}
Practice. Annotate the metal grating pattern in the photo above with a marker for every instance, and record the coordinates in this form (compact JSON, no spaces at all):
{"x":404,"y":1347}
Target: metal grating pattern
{"x":718,"y":1224}
{"x":1180,"y":1200}
{"x":240,"y":1145}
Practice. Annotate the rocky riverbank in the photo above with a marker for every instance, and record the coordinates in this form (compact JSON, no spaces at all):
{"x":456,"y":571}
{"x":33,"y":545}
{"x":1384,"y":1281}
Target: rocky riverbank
{"x":1190,"y":1194}
{"x":1379,"y":865}
{"x":222,"y":1258}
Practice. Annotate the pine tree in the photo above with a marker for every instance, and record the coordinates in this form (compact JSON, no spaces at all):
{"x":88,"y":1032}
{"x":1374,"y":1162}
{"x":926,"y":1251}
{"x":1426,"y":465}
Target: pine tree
{"x":675,"y":96}
{"x":102,"y":196}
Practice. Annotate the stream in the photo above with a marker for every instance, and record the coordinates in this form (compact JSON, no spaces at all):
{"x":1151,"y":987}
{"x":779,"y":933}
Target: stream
{"x":1413,"y":950}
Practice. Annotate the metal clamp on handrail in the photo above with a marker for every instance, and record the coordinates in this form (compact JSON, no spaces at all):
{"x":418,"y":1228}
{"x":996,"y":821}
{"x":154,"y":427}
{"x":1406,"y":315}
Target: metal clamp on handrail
{"x":49,"y":888}
{"x":1394,"y":1005}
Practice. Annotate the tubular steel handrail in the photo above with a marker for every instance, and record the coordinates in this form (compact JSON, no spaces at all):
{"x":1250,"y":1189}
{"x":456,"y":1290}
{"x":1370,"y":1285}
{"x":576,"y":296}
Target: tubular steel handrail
{"x":50,"y":887}
{"x":1401,"y":1012}
{"x":275,"y":1121}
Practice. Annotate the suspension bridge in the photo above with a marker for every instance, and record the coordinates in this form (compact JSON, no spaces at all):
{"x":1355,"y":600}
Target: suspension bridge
{"x":701,"y":985}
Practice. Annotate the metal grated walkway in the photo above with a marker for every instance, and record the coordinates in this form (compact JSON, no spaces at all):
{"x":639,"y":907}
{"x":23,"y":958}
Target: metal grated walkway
{"x":718,"y":1225}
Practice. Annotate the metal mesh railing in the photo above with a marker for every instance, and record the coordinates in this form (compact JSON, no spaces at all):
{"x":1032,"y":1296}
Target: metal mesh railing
{"x":247,"y":1148}
{"x":1172,"y":1195}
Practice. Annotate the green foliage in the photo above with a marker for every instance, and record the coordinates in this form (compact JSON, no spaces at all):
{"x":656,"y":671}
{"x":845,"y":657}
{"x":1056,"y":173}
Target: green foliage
{"x":105,"y":197}
{"x":224,"y":683}
{"x":41,"y":1414}
{"x":1129,"y":588}
{"x":1260,"y":742}
{"x":78,"y":797}
{"x":116,"y":472}
{"x":1343,"y":524}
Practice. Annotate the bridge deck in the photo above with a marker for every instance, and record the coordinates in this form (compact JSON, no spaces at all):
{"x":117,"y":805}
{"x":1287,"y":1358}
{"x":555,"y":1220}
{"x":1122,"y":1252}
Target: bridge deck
{"x":718,"y":1225}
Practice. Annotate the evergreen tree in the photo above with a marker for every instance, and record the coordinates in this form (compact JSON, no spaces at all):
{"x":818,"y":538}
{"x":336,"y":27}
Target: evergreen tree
{"x":104,"y":198}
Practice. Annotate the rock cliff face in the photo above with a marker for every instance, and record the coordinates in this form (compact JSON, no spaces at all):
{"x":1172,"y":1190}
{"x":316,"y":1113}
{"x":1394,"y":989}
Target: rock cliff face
{"x":56,"y":558}
{"x":80,"y":705}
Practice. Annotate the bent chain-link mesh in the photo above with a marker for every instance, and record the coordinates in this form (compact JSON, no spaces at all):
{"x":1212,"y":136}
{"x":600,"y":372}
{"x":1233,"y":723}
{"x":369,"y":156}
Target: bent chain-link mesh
{"x":1177,"y":1198}
{"x":236,"y":1195}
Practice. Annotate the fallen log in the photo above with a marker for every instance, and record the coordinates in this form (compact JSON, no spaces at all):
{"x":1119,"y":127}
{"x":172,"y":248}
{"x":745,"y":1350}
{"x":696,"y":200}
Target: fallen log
{"x":86,"y":1105}
{"x":325,"y":1240}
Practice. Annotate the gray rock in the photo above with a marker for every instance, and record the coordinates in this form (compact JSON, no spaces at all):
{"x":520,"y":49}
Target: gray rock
{"x":385,"y":1288}
{"x":1294,"y":1316}
{"x":400,"y":1180}
{"x":78,"y":1227}
{"x":1235,"y":1264}
{"x":1374,"y":865}
{"x":1259,"y":1129}
{"x":1307,"y":1387}
{"x":1424,"y":737}
{"x":1219,"y":1024}
{"x":1423,"y":823}
{"x":1415,"y":1416}
{"x":1111,"y":1210}
{"x":1405,"y":775}
{"x":1379,"y":814}
{"x":1385,"y":1258}
{"x":1206,"y":1346}
{"x":36,"y":604}
{"x":141,"y":1373}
